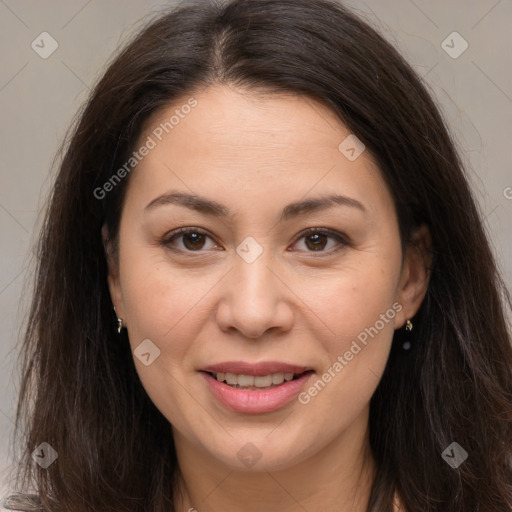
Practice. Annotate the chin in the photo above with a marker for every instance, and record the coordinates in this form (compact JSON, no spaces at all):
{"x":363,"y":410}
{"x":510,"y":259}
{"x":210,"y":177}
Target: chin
{"x":258,"y":453}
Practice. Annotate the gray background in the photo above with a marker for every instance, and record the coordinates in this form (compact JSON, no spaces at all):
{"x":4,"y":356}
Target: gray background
{"x":39,"y":98}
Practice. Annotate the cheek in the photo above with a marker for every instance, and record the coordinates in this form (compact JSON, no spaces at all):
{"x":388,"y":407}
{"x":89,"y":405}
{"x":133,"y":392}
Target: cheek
{"x":154,"y":299}
{"x":359,"y":308}
{"x":356,"y":300}
{"x":161,"y":305}
{"x":164,"y":307}
{"x":361,"y":317}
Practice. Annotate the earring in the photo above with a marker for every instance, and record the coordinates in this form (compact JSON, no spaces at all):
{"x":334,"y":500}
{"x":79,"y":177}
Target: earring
{"x":119,"y":322}
{"x":406,"y":345}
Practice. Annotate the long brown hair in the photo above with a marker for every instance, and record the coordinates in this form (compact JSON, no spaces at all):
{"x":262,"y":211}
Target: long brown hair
{"x":80,"y":391}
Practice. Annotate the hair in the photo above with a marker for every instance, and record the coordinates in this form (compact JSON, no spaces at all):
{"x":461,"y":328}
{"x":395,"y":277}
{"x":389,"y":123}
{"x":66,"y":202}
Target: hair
{"x":80,"y":391}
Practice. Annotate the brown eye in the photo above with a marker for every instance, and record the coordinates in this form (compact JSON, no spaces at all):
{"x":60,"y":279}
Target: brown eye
{"x":323,"y":240}
{"x":192,"y":240}
{"x":317,"y":241}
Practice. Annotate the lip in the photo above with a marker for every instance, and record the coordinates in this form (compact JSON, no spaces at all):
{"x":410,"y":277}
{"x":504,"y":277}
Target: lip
{"x":254,"y":369}
{"x":255,"y":401}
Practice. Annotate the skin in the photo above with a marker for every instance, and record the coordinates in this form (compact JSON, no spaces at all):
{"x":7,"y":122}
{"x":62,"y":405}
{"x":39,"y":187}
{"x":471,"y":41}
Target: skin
{"x":255,"y":153}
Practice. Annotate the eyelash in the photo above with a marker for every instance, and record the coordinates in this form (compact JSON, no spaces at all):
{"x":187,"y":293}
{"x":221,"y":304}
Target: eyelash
{"x":340,"y":238}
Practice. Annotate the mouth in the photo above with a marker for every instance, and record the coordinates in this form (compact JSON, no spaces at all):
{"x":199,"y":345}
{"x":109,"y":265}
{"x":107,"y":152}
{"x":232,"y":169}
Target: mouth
{"x":259,"y":382}
{"x":255,"y":388}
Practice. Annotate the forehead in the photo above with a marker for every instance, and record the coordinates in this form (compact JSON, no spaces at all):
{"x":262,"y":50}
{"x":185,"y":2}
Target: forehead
{"x":247,"y":142}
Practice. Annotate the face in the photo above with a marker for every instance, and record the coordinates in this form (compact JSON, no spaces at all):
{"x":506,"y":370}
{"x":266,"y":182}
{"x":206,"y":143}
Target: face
{"x":254,"y":248}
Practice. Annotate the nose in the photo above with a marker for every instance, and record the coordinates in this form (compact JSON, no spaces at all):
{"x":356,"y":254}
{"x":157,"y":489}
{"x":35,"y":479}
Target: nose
{"x":255,"y":298}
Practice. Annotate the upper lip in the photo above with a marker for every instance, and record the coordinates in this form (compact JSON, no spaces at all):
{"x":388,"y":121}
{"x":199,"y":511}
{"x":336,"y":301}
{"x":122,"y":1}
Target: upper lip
{"x":255,"y":369}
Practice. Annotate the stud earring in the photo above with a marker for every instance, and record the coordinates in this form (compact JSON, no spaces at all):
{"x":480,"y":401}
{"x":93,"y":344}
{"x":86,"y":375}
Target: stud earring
{"x":406,"y":345}
{"x":119,"y":322}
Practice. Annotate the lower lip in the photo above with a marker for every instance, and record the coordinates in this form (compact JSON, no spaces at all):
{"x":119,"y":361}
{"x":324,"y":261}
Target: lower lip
{"x":254,"y":401}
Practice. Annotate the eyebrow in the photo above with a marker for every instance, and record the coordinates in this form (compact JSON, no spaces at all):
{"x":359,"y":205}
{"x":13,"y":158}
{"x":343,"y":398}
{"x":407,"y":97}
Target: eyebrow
{"x":208,"y":207}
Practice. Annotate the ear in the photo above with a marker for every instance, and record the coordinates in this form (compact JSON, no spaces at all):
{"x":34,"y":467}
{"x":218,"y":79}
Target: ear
{"x":113,"y":272}
{"x":415,"y":276}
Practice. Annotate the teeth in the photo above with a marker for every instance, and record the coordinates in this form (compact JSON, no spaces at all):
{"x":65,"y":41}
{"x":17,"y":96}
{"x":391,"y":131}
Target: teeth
{"x":261,"y":381}
{"x":277,"y":378}
{"x":244,"y":380}
{"x":231,"y":378}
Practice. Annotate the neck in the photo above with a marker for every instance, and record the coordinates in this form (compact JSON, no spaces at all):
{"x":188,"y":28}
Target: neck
{"x":338,"y":477}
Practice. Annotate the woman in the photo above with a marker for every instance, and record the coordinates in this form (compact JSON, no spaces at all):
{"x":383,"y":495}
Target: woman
{"x":264,"y":283}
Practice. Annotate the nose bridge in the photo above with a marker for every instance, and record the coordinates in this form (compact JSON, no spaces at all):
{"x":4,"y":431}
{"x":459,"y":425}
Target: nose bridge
{"x":255,"y":280}
{"x":256,"y":300}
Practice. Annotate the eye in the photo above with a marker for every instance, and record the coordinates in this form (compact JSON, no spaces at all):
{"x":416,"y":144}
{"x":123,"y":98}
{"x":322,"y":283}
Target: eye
{"x":317,"y":239}
{"x":192,"y":240}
